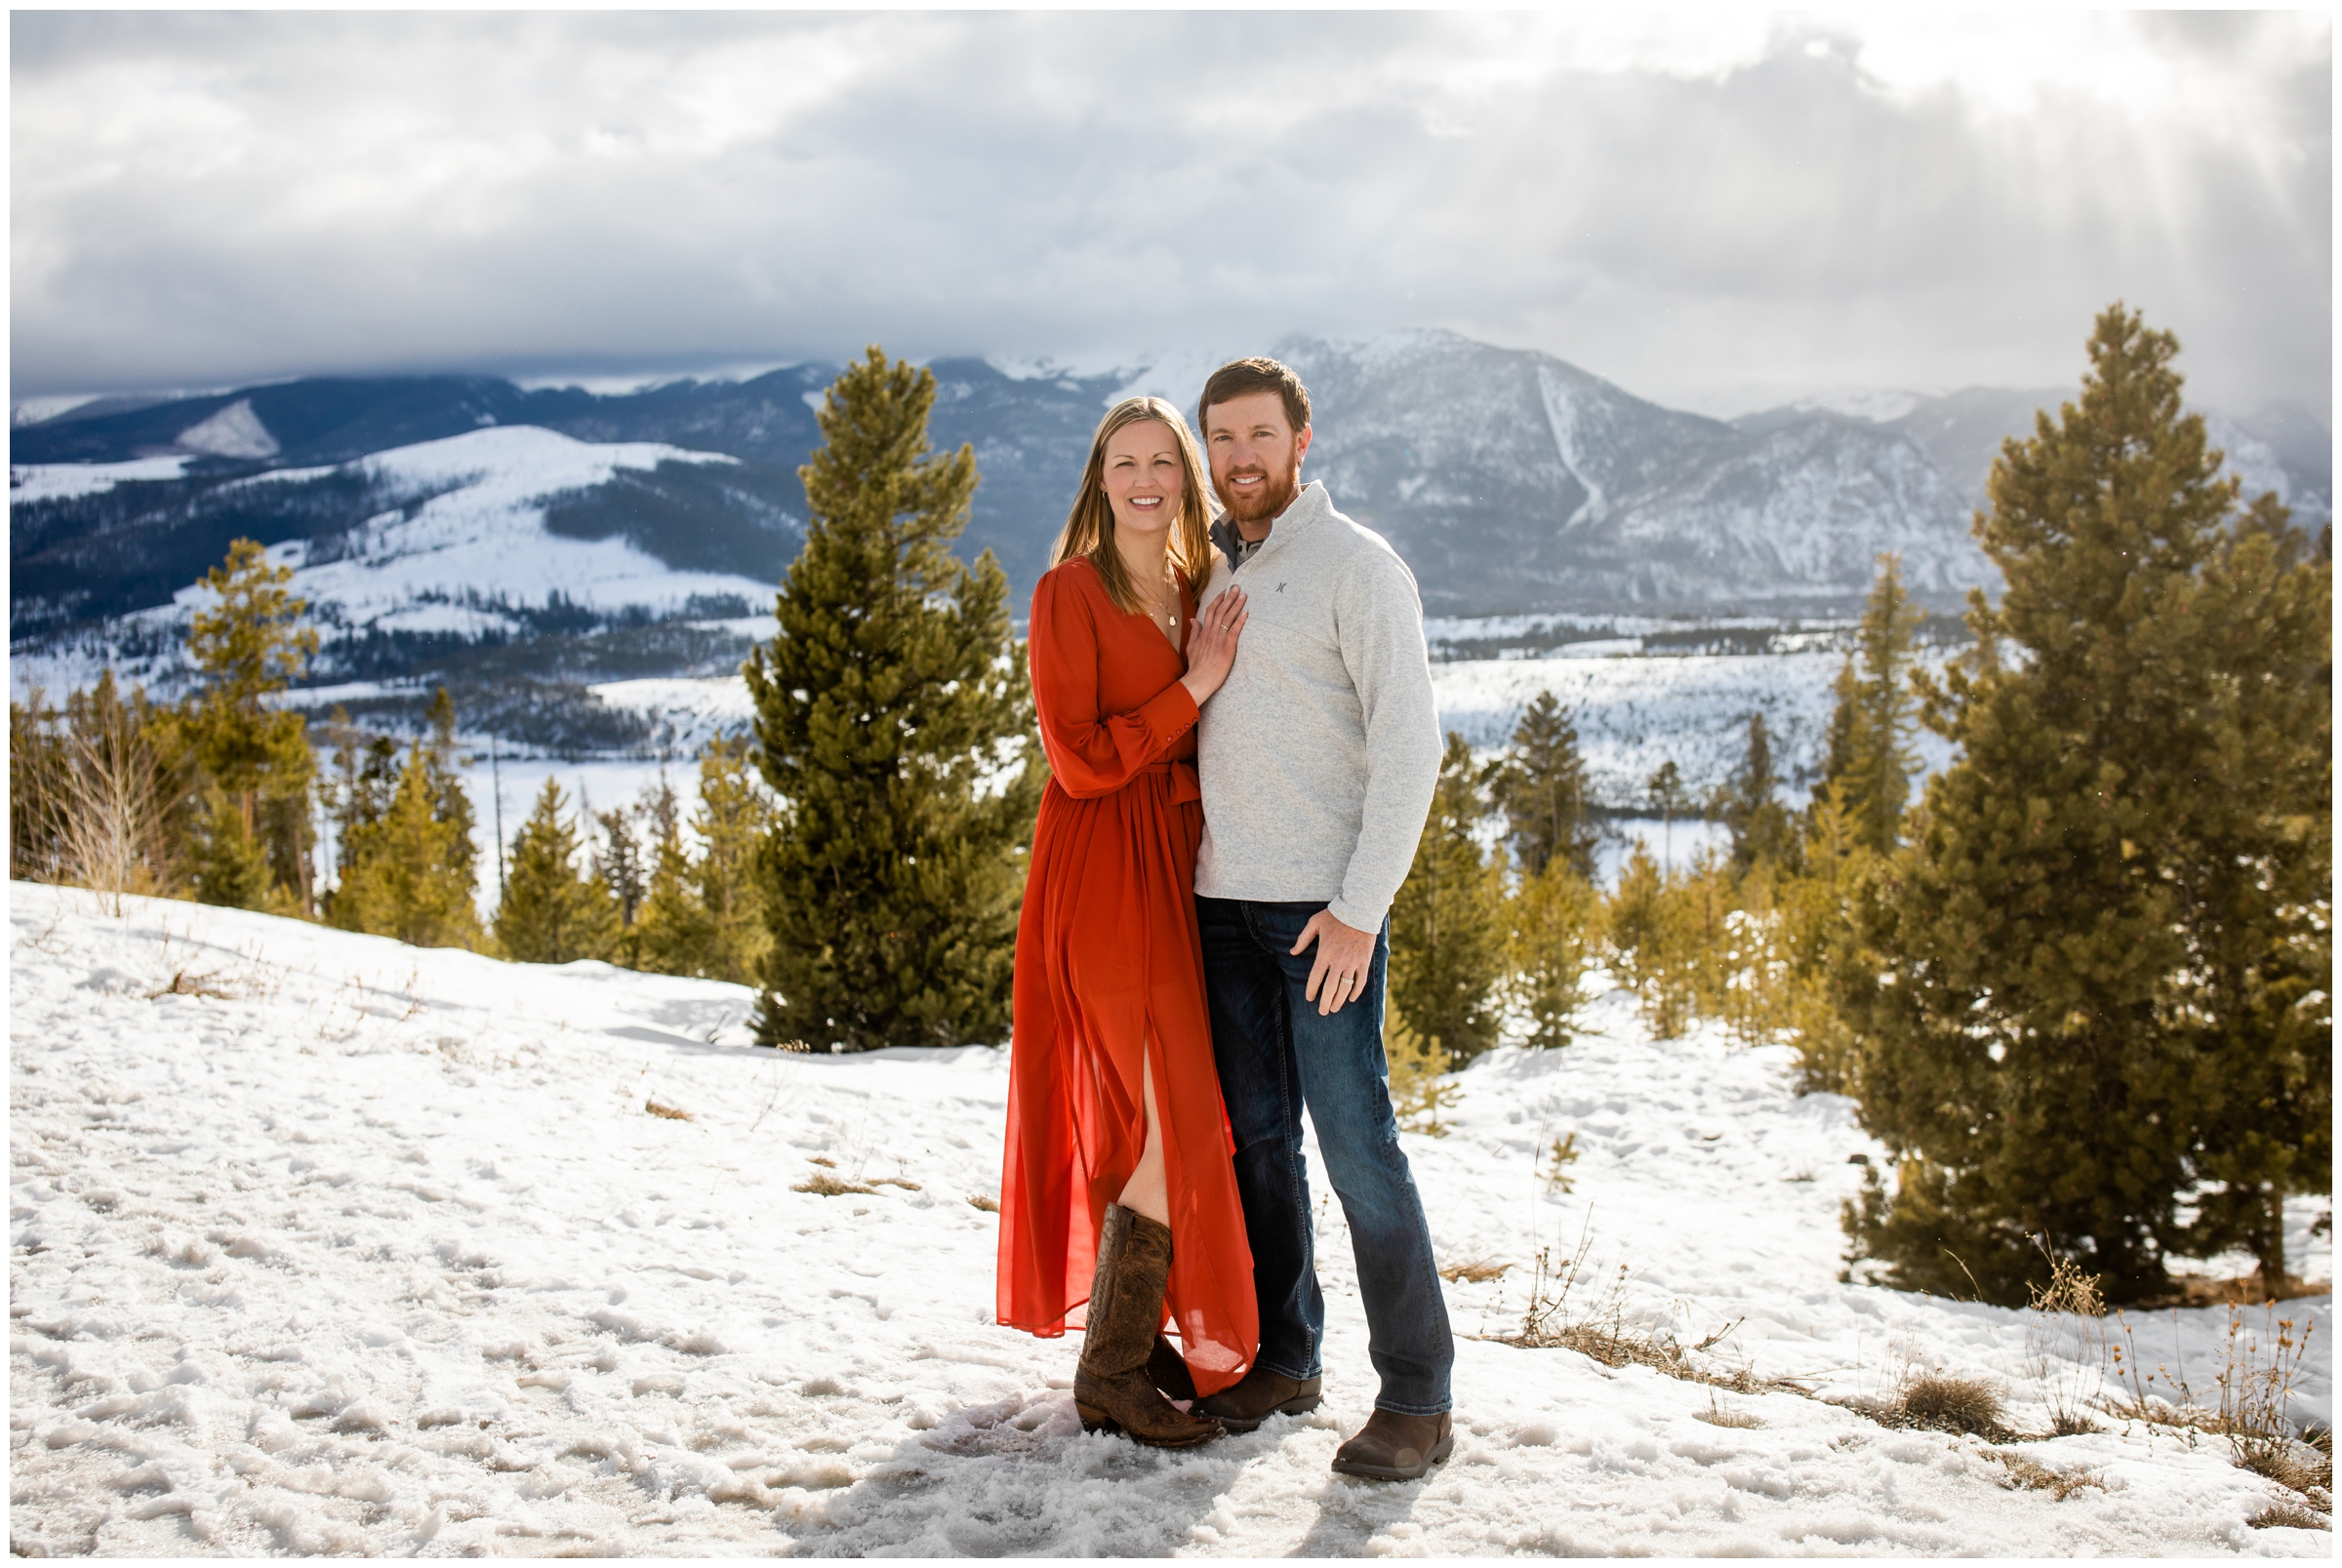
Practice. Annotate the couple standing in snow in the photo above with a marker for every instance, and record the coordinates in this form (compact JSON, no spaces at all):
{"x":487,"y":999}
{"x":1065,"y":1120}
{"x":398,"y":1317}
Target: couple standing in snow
{"x":1239,"y":718}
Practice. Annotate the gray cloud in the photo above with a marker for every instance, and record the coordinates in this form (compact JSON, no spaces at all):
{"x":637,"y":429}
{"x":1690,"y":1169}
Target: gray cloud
{"x":1707,"y":218}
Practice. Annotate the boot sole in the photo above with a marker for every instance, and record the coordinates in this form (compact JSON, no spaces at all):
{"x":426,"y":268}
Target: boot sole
{"x":1392,"y":1472}
{"x":1098,"y":1420}
{"x":1301,"y":1406}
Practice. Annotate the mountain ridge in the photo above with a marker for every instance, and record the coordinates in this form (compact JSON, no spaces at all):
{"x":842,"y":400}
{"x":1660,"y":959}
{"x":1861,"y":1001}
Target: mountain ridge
{"x":1511,"y":481}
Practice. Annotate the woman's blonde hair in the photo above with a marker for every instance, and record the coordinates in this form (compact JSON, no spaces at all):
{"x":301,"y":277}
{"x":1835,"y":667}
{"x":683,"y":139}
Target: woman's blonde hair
{"x":1089,"y":530}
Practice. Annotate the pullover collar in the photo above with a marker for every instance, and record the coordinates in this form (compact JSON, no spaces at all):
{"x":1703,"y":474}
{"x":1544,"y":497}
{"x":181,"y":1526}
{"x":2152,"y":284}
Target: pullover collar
{"x":1308,"y":508}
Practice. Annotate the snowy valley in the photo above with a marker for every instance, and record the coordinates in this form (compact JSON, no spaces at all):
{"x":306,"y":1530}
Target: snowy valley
{"x":323,"y":1244}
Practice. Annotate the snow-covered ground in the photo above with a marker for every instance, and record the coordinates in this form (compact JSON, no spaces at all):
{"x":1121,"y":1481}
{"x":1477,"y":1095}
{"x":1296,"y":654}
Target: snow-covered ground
{"x":343,"y":1246}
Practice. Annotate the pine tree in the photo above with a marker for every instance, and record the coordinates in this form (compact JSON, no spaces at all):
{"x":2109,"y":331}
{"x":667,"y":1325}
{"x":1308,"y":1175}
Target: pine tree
{"x":2256,"y":858}
{"x":451,"y":802}
{"x":250,"y":643}
{"x":1666,"y":795}
{"x":359,"y":795}
{"x":674,"y":936}
{"x":231,"y":862}
{"x":1556,"y":916}
{"x":552,"y":913}
{"x":736,"y":816}
{"x":365,"y":776}
{"x":1447,"y":924}
{"x":2105,"y":951}
{"x":704,"y":915}
{"x":1820,"y":946}
{"x":411,"y":883}
{"x":1758,"y":823}
{"x":1867,"y":757}
{"x":1642,"y":921}
{"x":888,"y":708}
{"x":1541,"y":788}
{"x":617,"y":859}
{"x":1416,"y":1071}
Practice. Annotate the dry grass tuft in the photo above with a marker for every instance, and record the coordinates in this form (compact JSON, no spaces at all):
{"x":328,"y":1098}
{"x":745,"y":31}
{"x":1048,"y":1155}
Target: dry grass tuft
{"x":1716,"y":1415}
{"x":2034,"y":1477}
{"x":823,"y":1184}
{"x":2256,"y":1395}
{"x":2293,"y":1466}
{"x":2067,"y":1347}
{"x":2290,"y":1516}
{"x":977,"y":1201}
{"x":821,"y":1159}
{"x":183,"y":983}
{"x":1479,"y":1271}
{"x":1953,"y":1405}
{"x":1604,"y":1333}
{"x":903,"y":1182}
{"x":671,"y":1112}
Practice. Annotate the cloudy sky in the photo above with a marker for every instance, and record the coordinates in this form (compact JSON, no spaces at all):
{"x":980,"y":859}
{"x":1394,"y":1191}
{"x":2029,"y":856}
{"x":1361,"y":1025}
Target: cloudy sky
{"x":1716,"y":209}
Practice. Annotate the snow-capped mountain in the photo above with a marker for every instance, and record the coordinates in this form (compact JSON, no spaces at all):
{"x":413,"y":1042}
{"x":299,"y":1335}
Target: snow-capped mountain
{"x":581,"y":537}
{"x":1514,"y":481}
{"x":2281,"y":448}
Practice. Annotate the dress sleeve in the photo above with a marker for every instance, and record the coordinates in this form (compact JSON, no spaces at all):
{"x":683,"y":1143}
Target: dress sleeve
{"x":1092,"y":753}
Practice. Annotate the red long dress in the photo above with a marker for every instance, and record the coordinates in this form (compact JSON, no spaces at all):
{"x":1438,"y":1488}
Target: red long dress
{"x":1110,"y":965}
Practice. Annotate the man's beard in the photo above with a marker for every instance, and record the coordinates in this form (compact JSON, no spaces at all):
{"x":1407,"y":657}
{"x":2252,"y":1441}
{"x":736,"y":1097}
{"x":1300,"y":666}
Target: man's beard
{"x":1269,"y":501}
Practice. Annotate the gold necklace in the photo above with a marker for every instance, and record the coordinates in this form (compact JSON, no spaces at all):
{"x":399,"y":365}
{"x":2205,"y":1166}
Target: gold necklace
{"x":1168,"y":601}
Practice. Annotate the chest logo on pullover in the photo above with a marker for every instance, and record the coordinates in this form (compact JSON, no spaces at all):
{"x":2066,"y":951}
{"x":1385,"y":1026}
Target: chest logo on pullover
{"x":1280,"y":587}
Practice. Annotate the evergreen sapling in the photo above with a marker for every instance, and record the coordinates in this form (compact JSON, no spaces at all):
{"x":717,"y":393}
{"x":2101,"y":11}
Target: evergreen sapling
{"x":894,"y":722}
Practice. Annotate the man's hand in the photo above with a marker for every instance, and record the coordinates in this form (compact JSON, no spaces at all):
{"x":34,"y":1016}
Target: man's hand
{"x":1343,"y":955}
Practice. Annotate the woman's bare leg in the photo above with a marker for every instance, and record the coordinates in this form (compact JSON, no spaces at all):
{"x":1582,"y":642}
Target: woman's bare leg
{"x":1146,"y":1193}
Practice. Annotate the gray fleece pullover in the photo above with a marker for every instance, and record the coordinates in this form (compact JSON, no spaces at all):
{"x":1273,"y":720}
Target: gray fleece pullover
{"x":1319,"y":754}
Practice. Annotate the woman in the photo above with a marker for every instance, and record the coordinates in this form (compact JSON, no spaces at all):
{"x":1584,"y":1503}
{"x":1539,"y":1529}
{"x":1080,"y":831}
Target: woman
{"x":1117,"y":1172}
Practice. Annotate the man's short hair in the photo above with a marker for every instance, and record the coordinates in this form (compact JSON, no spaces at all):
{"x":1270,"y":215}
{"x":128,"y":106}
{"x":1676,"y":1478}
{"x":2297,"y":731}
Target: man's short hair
{"x":1242,"y":378}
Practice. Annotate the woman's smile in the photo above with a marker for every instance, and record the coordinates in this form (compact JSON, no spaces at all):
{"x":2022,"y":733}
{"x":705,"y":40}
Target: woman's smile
{"x":1145,"y":477}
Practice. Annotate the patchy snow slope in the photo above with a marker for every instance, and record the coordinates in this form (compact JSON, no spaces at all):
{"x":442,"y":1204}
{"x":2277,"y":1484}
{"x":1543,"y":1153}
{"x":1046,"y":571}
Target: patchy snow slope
{"x":59,"y":481}
{"x":378,"y":1251}
{"x":482,"y":532}
{"x":463,"y":532}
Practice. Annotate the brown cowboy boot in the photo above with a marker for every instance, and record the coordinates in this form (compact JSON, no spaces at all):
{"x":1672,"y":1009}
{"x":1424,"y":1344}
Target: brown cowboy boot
{"x":1112,"y":1391}
{"x":1263,"y":1392}
{"x":1391,"y":1447}
{"x":1168,"y":1371}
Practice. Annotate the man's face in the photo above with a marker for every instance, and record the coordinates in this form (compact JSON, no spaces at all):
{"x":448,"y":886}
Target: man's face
{"x":1256,"y":454}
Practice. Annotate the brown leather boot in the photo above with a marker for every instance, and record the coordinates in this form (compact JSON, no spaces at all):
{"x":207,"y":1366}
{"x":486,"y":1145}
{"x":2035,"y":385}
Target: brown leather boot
{"x":1391,"y":1447}
{"x":1168,"y":1371}
{"x":1110,"y":1389}
{"x":1262,"y":1393}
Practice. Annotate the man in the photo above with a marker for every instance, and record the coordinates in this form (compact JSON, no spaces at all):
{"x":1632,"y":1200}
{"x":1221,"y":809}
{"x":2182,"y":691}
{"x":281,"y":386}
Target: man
{"x":1317,"y":759}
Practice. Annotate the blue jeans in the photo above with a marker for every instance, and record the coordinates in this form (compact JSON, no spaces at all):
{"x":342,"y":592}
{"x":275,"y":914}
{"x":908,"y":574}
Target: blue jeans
{"x":1275,"y":1054}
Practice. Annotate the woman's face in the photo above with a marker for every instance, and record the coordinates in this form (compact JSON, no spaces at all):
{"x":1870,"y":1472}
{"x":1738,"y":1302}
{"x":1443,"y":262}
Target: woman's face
{"x":1144,"y":478}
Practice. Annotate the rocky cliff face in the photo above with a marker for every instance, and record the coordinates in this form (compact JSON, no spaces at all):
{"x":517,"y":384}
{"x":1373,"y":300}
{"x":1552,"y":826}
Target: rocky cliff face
{"x":1514,"y":481}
